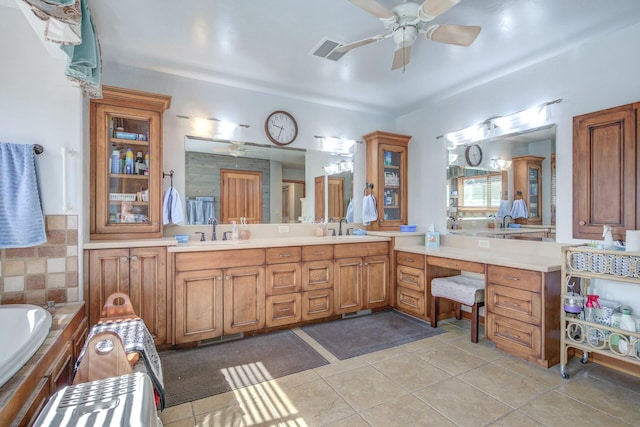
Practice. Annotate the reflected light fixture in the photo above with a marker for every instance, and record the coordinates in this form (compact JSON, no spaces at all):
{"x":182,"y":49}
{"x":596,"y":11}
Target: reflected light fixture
{"x":212,"y":126}
{"x":335,"y":144}
{"x":500,"y":164}
{"x":344,"y":166}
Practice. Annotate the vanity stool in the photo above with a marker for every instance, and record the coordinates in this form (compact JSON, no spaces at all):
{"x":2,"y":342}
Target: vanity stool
{"x":462,"y":290}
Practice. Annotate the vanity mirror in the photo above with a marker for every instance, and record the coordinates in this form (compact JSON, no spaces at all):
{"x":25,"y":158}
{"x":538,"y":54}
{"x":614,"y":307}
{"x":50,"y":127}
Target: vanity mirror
{"x":272,"y":184}
{"x":518,"y":166}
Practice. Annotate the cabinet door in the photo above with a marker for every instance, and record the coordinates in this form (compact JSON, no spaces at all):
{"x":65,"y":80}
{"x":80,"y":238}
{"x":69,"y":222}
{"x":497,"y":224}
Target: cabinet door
{"x":148,"y":289}
{"x":62,"y":369}
{"x":36,"y":403}
{"x":348,"y":285}
{"x":244,"y":299}
{"x":283,"y":278}
{"x":375,"y":279}
{"x":317,"y":275}
{"x":392,"y":203}
{"x":198,"y":305}
{"x":604,"y":172}
{"x":283,"y":309}
{"x":127,"y":189}
{"x":108,"y":273}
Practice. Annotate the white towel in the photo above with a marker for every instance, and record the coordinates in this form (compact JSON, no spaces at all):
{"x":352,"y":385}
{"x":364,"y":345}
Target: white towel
{"x":369,"y":210}
{"x":21,"y":214}
{"x":519,"y":209}
{"x":172,"y":207}
{"x":503,"y":210}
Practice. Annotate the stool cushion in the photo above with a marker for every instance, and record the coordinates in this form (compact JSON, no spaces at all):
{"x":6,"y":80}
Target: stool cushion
{"x":463,"y":289}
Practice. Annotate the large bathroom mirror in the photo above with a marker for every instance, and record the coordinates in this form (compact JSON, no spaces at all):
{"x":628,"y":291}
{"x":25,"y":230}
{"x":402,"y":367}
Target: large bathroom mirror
{"x":513,"y":167}
{"x":268,"y":184}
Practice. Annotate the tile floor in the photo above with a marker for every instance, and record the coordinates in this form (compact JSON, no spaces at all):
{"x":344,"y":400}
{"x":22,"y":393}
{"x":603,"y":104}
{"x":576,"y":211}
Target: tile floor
{"x":440,"y":381}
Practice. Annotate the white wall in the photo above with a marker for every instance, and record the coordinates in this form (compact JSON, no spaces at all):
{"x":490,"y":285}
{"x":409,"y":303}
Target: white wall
{"x":597,"y":75}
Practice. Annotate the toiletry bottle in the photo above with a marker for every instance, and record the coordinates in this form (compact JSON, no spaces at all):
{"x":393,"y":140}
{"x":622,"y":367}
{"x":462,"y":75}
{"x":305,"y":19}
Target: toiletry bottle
{"x":590,"y":316}
{"x":628,"y":324}
{"x":139,"y":170}
{"x":146,"y":159}
{"x":234,"y":231}
{"x":128,"y":165}
{"x":115,"y":161}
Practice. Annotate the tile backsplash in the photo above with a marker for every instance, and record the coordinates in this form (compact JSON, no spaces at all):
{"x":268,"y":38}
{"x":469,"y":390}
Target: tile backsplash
{"x":48,"y":272}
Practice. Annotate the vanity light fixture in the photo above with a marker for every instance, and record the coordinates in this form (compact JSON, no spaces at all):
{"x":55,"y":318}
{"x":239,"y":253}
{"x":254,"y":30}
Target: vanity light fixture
{"x":212,"y":126}
{"x":344,"y":166}
{"x":335,"y":144}
{"x":467,"y":135}
{"x":500,"y":164}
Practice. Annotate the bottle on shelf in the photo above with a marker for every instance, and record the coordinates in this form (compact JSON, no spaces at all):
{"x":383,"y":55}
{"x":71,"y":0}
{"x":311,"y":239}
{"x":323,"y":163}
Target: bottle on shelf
{"x":128,"y":165}
{"x":628,"y":324}
{"x":139,"y":169}
{"x":115,"y":161}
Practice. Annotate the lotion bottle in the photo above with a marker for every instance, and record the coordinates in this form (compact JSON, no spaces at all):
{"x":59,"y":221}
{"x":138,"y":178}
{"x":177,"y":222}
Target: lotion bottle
{"x":234,"y":231}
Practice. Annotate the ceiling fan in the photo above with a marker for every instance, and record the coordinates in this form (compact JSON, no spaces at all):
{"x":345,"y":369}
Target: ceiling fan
{"x":234,"y":148}
{"x":405,"y":21}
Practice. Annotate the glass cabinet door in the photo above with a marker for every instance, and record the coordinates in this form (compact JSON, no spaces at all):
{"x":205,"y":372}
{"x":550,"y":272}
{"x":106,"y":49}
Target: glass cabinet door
{"x":534,"y":192}
{"x":392,"y":193}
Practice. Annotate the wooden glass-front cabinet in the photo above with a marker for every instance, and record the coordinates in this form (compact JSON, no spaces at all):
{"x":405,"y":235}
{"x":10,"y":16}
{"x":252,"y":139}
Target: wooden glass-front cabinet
{"x":126,"y":164}
{"x":387,"y":171}
{"x":527,"y":182}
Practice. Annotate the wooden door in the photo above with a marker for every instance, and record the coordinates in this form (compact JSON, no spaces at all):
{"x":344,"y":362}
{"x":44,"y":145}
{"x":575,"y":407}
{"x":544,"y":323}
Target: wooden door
{"x":286,"y":205}
{"x":335,"y":202}
{"x":108,"y":273}
{"x":240,"y":196}
{"x":375,"y":272}
{"x":604,"y":172}
{"x":244,"y":299}
{"x":148,"y":289}
{"x":347,"y":292}
{"x":319,"y":198}
{"x":198,"y":305}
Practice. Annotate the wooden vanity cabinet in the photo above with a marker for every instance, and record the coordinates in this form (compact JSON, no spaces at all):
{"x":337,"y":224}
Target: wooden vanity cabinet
{"x":317,"y":282}
{"x":605,"y":176}
{"x":139,"y":272}
{"x":283,"y":286}
{"x":411,"y":284}
{"x":522,"y":313}
{"x":361,"y":276}
{"x":211,"y":302}
{"x":387,"y":159}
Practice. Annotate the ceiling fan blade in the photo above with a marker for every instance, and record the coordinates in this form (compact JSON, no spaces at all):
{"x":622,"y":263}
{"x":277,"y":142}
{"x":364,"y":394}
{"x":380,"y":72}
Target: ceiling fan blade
{"x":375,"y":8}
{"x":401,"y":57}
{"x":347,"y":47}
{"x":461,"y":35}
{"x":431,"y":9}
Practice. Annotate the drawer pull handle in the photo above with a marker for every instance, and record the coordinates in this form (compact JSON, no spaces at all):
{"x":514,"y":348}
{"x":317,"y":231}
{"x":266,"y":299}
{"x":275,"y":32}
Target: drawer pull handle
{"x":134,"y":258}
{"x":124,"y":259}
{"x":283,"y":310}
{"x":285,"y":255}
{"x":511,"y":336}
{"x":409,"y":259}
{"x":218,"y":277}
{"x":318,"y":252}
{"x":512,"y":278}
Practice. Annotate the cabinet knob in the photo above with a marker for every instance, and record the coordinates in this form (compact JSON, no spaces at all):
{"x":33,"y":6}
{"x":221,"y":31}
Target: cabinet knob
{"x":582,"y":223}
{"x":124,"y":259}
{"x":219,"y":278}
{"x":227,"y":277}
{"x":134,"y":258}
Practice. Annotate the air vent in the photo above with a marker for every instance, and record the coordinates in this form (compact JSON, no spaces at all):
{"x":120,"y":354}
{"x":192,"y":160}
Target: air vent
{"x":325,"y":49}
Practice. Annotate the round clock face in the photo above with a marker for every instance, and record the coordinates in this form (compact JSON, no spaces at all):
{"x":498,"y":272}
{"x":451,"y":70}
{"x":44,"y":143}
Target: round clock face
{"x":281,"y":128}
{"x":473,"y":154}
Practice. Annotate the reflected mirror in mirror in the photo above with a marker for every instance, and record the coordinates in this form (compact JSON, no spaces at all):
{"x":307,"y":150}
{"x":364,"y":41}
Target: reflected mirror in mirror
{"x":227,"y":180}
{"x":488,"y":189}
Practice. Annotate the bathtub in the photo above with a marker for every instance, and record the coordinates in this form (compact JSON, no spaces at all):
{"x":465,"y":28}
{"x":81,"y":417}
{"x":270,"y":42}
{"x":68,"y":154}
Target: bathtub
{"x":23,"y":329}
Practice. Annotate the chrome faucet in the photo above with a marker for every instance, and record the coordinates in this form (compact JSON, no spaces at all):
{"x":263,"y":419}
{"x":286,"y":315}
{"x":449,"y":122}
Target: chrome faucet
{"x":504,"y":218}
{"x":213,"y":222}
{"x":340,"y":229}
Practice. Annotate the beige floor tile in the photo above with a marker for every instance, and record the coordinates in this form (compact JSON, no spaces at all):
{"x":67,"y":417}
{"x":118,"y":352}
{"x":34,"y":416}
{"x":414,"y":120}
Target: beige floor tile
{"x":222,"y":400}
{"x":175,"y":413}
{"x":504,"y":385}
{"x":388,"y":353}
{"x":255,"y":412}
{"x":425,"y":344}
{"x":364,"y":387}
{"x":294,"y":379}
{"x":352,"y":421}
{"x":187,"y":422}
{"x":451,"y":332}
{"x":404,"y":411}
{"x":615,"y":377}
{"x":451,"y":359}
{"x":555,"y":409}
{"x":610,"y":398}
{"x":483,"y":349}
{"x":463,"y":404}
{"x":548,"y":377}
{"x":411,"y":372}
{"x":341,"y":366}
{"x":515,"y":418}
{"x":311,"y":404}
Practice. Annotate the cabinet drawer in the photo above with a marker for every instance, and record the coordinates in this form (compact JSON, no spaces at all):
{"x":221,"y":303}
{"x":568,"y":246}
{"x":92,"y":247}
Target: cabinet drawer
{"x":62,"y":369}
{"x":283,"y":278}
{"x":283,"y":309}
{"x":515,"y":278}
{"x":317,"y":304}
{"x":317,"y":275}
{"x":514,"y":337}
{"x":348,"y":250}
{"x":411,"y":301}
{"x":410,"y":277}
{"x":206,"y":260}
{"x":316,"y":252}
{"x":514,"y":303}
{"x":32,"y":407}
{"x":280,"y":255}
{"x":410,"y":260}
{"x":455,"y":264}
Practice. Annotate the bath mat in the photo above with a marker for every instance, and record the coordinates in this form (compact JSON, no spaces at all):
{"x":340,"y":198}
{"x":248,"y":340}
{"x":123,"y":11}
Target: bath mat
{"x":353,"y":337}
{"x":197,"y":373}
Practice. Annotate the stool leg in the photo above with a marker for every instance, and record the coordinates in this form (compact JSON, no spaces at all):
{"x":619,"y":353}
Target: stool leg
{"x":458,"y":307}
{"x":474,"y":323}
{"x":434,"y":311}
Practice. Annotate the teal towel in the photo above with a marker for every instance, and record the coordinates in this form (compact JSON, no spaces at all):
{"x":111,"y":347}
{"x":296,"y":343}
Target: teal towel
{"x":21,"y":216}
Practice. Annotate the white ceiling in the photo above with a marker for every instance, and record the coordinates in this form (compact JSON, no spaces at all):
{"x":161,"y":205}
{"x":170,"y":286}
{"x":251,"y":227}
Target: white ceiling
{"x":265,"y":45}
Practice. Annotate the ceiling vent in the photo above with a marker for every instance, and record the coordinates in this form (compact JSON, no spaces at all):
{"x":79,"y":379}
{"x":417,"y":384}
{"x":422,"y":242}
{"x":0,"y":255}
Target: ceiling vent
{"x":325,"y":49}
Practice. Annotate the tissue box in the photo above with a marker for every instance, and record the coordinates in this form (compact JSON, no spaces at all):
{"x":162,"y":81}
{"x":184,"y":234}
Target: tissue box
{"x":432,"y":239}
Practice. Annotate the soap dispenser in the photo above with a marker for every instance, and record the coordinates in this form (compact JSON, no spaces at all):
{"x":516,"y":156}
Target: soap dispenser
{"x":234,"y":231}
{"x":608,"y":237}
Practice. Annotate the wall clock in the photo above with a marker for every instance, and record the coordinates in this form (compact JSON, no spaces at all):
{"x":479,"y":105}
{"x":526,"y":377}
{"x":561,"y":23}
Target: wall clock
{"x":281,"y":128}
{"x":473,"y":154}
